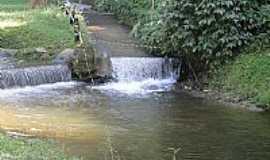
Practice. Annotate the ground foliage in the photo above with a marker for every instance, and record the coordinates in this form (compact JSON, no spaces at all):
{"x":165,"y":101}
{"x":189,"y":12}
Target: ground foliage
{"x":247,"y":76}
{"x":24,"y":29}
{"x":30,"y":149}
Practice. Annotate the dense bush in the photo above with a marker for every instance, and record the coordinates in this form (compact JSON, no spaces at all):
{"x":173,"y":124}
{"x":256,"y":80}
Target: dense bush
{"x":204,"y":31}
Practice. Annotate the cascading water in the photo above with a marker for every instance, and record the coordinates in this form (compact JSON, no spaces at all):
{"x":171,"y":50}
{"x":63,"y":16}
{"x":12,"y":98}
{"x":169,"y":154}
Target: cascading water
{"x":34,"y":76}
{"x":142,"y":74}
{"x":140,"y":69}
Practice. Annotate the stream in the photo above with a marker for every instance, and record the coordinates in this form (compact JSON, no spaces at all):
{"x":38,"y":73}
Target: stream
{"x":137,"y":117}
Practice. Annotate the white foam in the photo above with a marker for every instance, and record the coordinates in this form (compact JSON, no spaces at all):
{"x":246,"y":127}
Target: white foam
{"x":138,"y":87}
{"x":41,"y":89}
{"x":142,"y":75}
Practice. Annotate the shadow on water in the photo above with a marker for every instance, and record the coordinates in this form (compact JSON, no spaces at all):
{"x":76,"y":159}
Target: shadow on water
{"x":95,"y":124}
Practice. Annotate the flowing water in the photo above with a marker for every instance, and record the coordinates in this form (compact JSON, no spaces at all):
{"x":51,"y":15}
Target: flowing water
{"x":105,"y":122}
{"x":142,"y":75}
{"x":140,"y":69}
{"x":33,"y":76}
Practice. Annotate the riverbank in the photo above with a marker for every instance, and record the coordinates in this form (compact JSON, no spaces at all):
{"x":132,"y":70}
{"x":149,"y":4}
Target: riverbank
{"x":246,"y":78}
{"x":225,"y":98}
{"x":12,"y":148}
{"x":36,"y":34}
{"x":242,"y":82}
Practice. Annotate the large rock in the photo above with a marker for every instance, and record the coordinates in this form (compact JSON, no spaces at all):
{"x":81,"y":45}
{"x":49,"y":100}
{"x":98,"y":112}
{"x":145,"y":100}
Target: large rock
{"x":65,"y":57}
{"x":86,"y":63}
{"x":6,"y":60}
{"x":80,"y":60}
{"x":83,"y":65}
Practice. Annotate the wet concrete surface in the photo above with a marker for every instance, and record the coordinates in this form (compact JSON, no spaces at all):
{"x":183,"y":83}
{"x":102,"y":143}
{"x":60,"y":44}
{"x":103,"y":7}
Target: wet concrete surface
{"x":115,"y":38}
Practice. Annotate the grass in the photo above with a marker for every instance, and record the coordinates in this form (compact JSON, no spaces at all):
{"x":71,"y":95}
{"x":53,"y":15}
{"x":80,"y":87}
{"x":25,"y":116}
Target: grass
{"x":29,"y":149}
{"x":248,"y":76}
{"x":13,"y":5}
{"x":22,"y":27}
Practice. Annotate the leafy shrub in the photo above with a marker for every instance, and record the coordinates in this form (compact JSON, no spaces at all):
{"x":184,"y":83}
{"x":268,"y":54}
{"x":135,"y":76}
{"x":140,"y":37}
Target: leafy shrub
{"x":204,"y":31}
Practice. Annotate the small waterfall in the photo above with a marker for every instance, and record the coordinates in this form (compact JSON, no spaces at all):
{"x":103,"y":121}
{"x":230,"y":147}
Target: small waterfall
{"x":32,"y":76}
{"x":135,"y":75}
{"x":143,"y":68}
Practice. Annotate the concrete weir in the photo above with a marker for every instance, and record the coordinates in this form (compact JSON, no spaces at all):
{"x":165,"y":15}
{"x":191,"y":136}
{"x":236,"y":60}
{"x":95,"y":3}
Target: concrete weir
{"x":113,"y":44}
{"x":31,"y":76}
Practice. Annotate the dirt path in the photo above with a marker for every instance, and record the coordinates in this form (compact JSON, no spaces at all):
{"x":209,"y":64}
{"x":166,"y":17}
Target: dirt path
{"x":111,"y":37}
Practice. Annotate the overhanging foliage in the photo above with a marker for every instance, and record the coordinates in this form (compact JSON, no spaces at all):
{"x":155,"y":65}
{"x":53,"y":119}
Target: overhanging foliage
{"x":208,"y":31}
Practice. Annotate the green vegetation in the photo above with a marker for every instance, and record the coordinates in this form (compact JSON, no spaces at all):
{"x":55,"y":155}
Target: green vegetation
{"x":36,"y":28}
{"x":205,"y":32}
{"x":29,"y":149}
{"x":247,"y":76}
{"x":22,"y":27}
{"x":13,"y":5}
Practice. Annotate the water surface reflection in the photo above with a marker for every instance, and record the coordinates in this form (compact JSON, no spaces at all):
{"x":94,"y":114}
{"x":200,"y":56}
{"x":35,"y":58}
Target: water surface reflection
{"x":96,"y":124}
